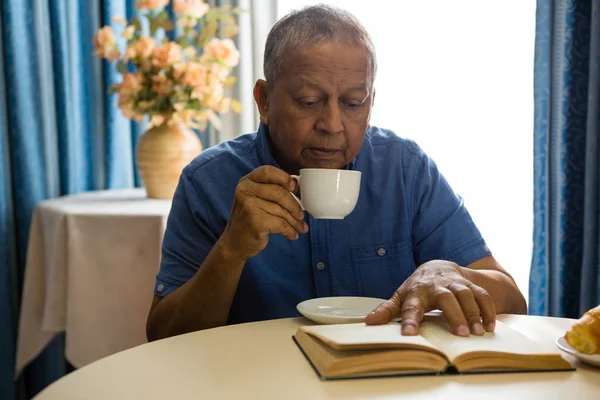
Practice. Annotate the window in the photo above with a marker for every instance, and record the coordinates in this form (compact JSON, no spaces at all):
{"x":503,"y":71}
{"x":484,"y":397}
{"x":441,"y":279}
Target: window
{"x":457,"y":77}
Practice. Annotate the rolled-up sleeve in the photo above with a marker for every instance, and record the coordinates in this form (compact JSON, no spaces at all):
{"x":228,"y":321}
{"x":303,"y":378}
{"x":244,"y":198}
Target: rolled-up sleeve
{"x":442,"y":227}
{"x":188,"y":237}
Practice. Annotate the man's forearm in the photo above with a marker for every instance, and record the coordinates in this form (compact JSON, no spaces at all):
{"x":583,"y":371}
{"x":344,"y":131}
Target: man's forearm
{"x":508,"y":299}
{"x":201,"y":303}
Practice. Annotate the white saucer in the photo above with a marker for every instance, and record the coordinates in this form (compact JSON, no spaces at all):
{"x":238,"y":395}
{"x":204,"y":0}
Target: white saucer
{"x":338,"y":310}
{"x":592,"y":359}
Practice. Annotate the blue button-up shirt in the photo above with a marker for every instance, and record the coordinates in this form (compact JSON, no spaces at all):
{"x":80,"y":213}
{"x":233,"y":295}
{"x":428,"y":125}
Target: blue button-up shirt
{"x":406,"y":214}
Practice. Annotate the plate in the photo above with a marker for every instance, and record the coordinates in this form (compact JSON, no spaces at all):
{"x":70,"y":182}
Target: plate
{"x":338,"y":310}
{"x":592,"y":359}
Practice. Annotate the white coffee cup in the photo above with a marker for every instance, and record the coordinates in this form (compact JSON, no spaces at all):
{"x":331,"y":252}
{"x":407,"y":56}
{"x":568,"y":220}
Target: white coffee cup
{"x":328,"y":193}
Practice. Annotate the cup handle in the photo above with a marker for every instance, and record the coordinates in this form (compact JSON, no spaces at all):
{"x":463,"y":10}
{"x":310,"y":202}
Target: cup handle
{"x":297,"y":178}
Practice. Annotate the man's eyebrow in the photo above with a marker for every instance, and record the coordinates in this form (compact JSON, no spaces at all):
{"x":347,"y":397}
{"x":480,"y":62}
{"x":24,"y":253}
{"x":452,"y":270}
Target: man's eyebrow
{"x":364,"y":88}
{"x":303,"y":83}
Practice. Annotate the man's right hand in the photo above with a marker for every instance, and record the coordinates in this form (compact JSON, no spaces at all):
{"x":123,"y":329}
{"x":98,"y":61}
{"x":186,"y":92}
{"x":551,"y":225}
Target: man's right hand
{"x":262,"y":205}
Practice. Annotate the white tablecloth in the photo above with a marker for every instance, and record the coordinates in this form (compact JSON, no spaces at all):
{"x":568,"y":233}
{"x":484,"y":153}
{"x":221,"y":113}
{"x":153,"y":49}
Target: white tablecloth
{"x":91,"y":265}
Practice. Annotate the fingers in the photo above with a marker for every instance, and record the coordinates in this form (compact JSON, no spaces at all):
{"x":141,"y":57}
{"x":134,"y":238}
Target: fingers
{"x":470,"y":309}
{"x":286,"y":219}
{"x":446,"y":301}
{"x":486,"y":306}
{"x":413,"y":309}
{"x":275,"y":193}
{"x":384,"y":312}
{"x":272,"y":175}
{"x":281,"y":226}
{"x":465,"y":306}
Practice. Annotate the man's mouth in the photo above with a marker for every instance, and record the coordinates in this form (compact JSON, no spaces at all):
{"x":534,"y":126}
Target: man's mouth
{"x":323,"y":153}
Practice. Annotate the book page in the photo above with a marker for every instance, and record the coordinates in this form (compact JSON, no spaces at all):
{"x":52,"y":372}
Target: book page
{"x":362,"y":336}
{"x":504,"y":339}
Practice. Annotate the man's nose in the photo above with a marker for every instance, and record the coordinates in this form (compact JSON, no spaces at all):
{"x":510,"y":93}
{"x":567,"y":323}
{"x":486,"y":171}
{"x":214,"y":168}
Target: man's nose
{"x":330,"y":118}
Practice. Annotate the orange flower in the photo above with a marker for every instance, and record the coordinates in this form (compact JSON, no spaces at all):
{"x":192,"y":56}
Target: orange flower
{"x":166,"y":54}
{"x":218,"y":71}
{"x":127,"y":107}
{"x":190,"y":73}
{"x":223,"y":50}
{"x":141,"y":49}
{"x":190,"y":8}
{"x":161,"y":85}
{"x":105,"y":44}
{"x":130,"y":84}
{"x":150,"y":4}
{"x":212,"y":96}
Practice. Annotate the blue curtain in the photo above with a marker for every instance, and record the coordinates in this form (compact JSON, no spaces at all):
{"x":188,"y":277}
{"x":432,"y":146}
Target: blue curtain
{"x":565,"y":273}
{"x":60,"y":134}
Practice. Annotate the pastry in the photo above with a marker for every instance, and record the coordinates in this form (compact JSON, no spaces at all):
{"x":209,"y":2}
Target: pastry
{"x":584,"y":334}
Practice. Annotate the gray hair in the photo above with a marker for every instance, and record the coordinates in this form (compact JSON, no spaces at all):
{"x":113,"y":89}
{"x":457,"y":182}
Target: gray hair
{"x":312,"y":25}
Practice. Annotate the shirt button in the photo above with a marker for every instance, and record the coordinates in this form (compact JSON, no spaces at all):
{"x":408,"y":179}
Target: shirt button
{"x":321,"y":266}
{"x":381,"y":251}
{"x":160,"y":287}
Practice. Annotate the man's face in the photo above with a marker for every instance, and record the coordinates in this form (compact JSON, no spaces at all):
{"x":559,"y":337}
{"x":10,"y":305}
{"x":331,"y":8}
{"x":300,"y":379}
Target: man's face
{"x":319,"y":106}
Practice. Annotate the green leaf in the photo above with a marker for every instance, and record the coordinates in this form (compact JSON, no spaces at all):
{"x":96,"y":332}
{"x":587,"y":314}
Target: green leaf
{"x":229,"y":81}
{"x":236,"y":106}
{"x":153,"y":26}
{"x":230,"y":31}
{"x":238,"y":10}
{"x":212,"y":15}
{"x":121,"y":66}
{"x":183,"y":42}
{"x":113,"y":88}
{"x":135,"y":21}
{"x":208,"y":31}
{"x":228,"y":20}
{"x":166,"y":24}
{"x":162,"y":15}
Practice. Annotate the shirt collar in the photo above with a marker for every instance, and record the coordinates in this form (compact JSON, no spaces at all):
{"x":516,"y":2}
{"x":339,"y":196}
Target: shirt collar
{"x":264,"y":149}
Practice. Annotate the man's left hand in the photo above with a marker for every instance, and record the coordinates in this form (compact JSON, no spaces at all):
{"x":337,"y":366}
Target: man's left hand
{"x":439,"y":285}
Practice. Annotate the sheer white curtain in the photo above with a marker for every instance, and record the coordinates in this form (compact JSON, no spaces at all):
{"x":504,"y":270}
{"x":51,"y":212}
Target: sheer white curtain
{"x":255,"y":24}
{"x":457,"y":77}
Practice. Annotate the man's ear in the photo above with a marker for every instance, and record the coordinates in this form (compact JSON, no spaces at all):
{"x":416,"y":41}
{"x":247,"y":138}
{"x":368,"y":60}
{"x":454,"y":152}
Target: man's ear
{"x":261,"y":97}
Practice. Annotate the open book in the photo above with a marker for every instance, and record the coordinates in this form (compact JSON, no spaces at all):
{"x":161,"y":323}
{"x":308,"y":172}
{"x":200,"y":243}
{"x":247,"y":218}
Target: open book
{"x":359,"y":350}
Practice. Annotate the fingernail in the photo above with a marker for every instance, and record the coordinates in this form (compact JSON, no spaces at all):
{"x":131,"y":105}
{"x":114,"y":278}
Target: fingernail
{"x":297,"y":236}
{"x":409,"y":330}
{"x":490,"y":327}
{"x":463,"y":330}
{"x":478,"y":329}
{"x":305,"y":227}
{"x":292,"y":185}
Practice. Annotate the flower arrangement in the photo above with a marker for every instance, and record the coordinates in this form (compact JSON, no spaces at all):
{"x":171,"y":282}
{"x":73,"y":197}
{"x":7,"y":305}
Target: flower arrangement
{"x":177,"y":80}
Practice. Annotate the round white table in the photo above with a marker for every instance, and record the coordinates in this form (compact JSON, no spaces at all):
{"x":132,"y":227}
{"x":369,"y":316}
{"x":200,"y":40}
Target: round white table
{"x":92,"y":260}
{"x":260,"y":361}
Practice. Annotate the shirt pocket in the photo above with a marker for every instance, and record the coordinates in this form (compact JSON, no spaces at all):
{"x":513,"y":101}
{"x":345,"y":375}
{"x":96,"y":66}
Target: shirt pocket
{"x":381,"y":269}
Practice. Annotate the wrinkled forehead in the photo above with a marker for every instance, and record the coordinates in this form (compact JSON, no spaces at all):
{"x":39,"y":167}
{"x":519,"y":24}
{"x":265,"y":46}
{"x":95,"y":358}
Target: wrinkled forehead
{"x":333,"y":59}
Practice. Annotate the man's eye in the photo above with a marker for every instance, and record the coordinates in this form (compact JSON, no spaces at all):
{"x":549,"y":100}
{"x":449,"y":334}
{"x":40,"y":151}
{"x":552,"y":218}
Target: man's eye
{"x":353,"y":104}
{"x":308,"y":103}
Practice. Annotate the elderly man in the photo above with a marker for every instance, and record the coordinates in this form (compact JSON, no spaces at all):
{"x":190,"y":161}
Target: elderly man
{"x":239,"y":248}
